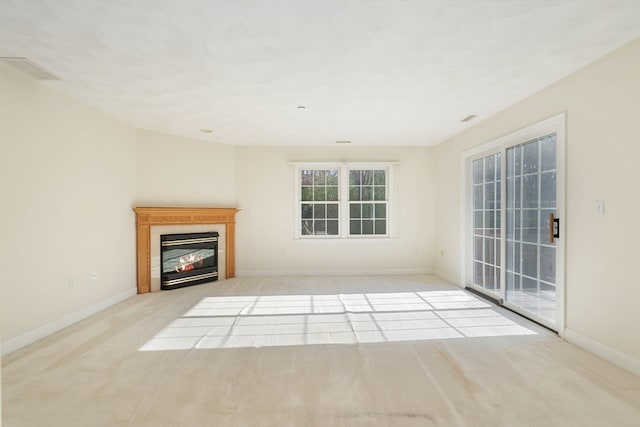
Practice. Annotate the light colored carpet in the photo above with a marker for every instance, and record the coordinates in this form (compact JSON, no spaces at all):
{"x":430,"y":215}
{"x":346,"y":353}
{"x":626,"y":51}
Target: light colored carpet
{"x":314,"y":351}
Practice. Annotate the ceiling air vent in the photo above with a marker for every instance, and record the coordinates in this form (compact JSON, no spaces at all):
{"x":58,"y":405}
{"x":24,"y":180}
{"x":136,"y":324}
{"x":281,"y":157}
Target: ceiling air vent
{"x":28,"y":67}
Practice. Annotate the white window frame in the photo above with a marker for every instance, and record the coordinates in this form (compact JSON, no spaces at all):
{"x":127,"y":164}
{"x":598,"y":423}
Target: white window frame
{"x":343,"y":198}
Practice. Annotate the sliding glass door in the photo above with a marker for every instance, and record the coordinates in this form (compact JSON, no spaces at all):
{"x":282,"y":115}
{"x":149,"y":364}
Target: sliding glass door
{"x":530,"y":278}
{"x":514,"y":249}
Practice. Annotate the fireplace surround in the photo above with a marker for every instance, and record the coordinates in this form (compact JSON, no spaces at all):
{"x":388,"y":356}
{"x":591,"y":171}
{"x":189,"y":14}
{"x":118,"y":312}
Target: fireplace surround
{"x":156,"y":217}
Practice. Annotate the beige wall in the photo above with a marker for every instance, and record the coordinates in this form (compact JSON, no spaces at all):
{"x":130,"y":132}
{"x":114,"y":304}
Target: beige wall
{"x":67,"y":176}
{"x":602,"y":102}
{"x":266,"y":225}
{"x":177,"y":171}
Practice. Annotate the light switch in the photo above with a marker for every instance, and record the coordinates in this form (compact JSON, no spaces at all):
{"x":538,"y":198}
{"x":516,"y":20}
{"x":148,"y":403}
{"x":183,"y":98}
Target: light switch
{"x":599,"y":208}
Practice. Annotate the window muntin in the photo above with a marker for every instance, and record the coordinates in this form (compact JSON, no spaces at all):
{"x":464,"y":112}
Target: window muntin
{"x":343,"y":201}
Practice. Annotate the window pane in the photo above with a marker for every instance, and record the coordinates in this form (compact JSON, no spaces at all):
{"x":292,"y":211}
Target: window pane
{"x":319,"y":226}
{"x":367,"y":193}
{"x":530,"y":286}
{"x":319,"y":177}
{"x":477,"y":249}
{"x":489,"y":223}
{"x":489,"y":277}
{"x":530,"y":191}
{"x":478,"y":223}
{"x":381,"y":226}
{"x":354,"y":193}
{"x":332,"y":210}
{"x":355,"y":210}
{"x":548,"y":153}
{"x":379,"y":193}
{"x":517,"y":195}
{"x":530,"y":225}
{"x":307,"y":194}
{"x":354,"y":178}
{"x":332,"y":177}
{"x":548,"y":264}
{"x":307,"y":211}
{"x":489,"y":196}
{"x":530,"y":260}
{"x":489,"y":251}
{"x":530,"y":157}
{"x":307,"y":227}
{"x":498,"y":166}
{"x":489,"y":169}
{"x":548,"y":190}
{"x":517,"y":161}
{"x":306,"y":177}
{"x":380,"y":210}
{"x":380,"y":177}
{"x":332,"y":193}
{"x":367,"y":177}
{"x":367,"y":210}
{"x":355,"y":227}
{"x":332,"y":227}
{"x":319,"y":211}
{"x":477,"y":274}
{"x":477,"y":196}
{"x":367,"y":226}
{"x":477,"y":171}
{"x":319,"y":194}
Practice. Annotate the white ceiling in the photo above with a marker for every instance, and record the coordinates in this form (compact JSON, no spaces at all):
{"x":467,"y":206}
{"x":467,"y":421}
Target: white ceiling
{"x":373,"y":72}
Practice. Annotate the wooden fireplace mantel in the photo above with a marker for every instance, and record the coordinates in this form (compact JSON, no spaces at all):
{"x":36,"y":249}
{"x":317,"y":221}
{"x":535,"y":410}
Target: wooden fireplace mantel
{"x":148,"y":216}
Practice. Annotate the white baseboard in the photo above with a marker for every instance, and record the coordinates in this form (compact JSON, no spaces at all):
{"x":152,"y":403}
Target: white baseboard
{"x":30,"y":337}
{"x":333,"y":272}
{"x":448,"y":278}
{"x":607,"y":353}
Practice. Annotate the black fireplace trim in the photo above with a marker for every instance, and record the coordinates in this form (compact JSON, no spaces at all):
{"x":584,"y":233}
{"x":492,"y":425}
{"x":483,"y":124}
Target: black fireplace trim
{"x":175,"y":280}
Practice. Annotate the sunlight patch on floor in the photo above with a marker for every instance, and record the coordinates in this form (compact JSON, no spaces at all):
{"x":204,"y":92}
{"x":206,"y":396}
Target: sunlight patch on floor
{"x":281,"y":320}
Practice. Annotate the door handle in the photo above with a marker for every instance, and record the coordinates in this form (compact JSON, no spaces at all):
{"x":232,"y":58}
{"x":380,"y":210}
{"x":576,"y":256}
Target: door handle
{"x":554,"y":228}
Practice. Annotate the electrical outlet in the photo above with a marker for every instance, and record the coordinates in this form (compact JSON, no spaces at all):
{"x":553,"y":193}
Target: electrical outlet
{"x":598,"y":208}
{"x":94,"y":276}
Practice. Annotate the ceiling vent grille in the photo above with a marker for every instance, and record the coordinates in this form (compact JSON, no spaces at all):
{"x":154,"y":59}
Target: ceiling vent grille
{"x":28,"y":67}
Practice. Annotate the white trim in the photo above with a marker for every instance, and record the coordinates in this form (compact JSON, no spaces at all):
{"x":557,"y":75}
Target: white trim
{"x":612,"y":355}
{"x":334,"y":272}
{"x":50,"y":328}
{"x":448,"y":278}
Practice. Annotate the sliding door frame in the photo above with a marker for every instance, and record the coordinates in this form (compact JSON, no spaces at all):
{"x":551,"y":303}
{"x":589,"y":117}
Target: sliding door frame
{"x":555,"y":124}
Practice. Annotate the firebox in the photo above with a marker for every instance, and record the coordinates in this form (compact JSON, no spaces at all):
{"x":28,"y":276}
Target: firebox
{"x":188,"y":259}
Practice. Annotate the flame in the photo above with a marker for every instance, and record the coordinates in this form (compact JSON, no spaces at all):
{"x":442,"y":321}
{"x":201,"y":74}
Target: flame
{"x":188,"y":263}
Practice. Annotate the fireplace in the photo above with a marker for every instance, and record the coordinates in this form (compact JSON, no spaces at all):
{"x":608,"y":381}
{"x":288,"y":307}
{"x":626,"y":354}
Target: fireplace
{"x":188,"y":259}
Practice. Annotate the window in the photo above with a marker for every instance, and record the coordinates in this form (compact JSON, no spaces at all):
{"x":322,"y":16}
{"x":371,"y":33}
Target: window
{"x":367,"y":202}
{"x":319,"y":202}
{"x":343,"y":200}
